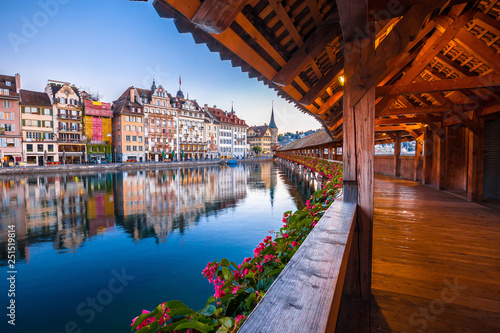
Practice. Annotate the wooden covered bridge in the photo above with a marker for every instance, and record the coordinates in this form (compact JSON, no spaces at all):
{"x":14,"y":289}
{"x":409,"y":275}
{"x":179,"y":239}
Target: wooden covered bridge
{"x":394,"y":255}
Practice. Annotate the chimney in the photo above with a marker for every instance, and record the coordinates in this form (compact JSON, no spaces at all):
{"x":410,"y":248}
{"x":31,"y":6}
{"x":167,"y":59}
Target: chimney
{"x":132,"y":94}
{"x":205,"y":107}
{"x":18,"y":82}
{"x":215,"y":106}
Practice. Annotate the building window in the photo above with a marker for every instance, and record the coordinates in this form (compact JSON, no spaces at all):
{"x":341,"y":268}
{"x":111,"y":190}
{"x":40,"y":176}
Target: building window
{"x":127,"y":138}
{"x":128,"y":148}
{"x":40,"y":148}
{"x":127,"y":118}
{"x":29,"y":148}
{"x":140,"y":148}
{"x":127,"y":128}
{"x":7,"y":104}
{"x":50,"y":148}
{"x":134,"y":148}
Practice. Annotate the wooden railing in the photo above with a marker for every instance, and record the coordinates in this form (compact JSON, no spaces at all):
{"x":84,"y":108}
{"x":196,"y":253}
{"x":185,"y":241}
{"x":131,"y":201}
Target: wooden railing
{"x":306,"y":295}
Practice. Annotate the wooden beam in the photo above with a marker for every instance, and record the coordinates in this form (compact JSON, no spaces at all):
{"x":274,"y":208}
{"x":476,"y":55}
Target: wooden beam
{"x":475,"y":168}
{"x":358,"y":162}
{"x":473,"y":82}
{"x":315,"y":13}
{"x":214,"y":16}
{"x":302,"y":58}
{"x":395,"y":128}
{"x":417,"y":175}
{"x":441,"y":160}
{"x":397,"y":153}
{"x":326,"y":81}
{"x":488,"y":22}
{"x":428,"y":155}
{"x":405,"y":33}
{"x":433,"y":46}
{"x":331,"y":101}
{"x":287,"y":22}
{"x":406,"y":120}
{"x":479,"y":49}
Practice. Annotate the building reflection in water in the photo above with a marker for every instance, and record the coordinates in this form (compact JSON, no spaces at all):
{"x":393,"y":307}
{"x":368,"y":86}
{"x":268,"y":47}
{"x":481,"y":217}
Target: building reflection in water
{"x":68,"y":209}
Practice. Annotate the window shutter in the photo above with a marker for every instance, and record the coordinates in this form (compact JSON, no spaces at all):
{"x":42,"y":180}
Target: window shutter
{"x":24,"y":122}
{"x":39,"y":110}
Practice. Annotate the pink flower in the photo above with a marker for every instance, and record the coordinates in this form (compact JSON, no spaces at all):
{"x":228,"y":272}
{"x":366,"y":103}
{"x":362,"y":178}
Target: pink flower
{"x":239,"y":318}
{"x":294,"y":243}
{"x":235,"y":289}
{"x":286,"y":235}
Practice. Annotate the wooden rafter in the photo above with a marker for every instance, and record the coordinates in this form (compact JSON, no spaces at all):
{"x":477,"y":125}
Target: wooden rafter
{"x":433,"y":46}
{"x":473,"y":82}
{"x":302,"y":58}
{"x":215,"y":16}
{"x":426,"y":110}
{"x":326,"y":81}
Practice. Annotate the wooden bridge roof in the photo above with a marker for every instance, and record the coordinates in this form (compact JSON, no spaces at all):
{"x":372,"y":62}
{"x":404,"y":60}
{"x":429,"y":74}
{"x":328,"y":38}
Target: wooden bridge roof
{"x":435,"y":62}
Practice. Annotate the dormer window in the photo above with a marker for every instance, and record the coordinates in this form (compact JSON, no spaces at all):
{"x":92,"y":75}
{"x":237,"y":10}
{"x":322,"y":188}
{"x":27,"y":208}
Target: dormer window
{"x":8,"y":83}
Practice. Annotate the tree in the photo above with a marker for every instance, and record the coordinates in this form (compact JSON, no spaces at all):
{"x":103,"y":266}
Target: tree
{"x":257,"y":149}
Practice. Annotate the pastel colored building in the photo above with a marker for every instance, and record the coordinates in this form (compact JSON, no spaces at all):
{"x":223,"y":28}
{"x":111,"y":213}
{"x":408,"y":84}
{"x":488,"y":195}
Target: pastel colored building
{"x":232,"y":141}
{"x":191,"y":124}
{"x":159,"y":130}
{"x":37,"y":124}
{"x":10,"y":130}
{"x":67,"y":114}
{"x":97,"y":126}
{"x":128,"y":127}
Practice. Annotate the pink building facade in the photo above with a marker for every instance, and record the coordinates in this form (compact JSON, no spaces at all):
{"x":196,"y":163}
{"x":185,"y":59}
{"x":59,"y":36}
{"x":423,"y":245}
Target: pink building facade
{"x":10,"y":124}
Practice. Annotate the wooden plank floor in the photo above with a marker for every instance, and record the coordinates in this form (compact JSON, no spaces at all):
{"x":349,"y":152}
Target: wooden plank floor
{"x":436,"y":261}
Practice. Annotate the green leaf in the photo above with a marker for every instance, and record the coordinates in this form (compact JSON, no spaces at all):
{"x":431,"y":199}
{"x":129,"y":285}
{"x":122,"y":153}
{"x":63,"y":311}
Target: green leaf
{"x":264,"y":284}
{"x":143,"y":317}
{"x":249,"y":301}
{"x":175,"y":305}
{"x":208,"y":310}
{"x":196,"y":325}
{"x":228,"y":274}
{"x":181,"y":312}
{"x":224,"y":262}
{"x":222,"y":329}
{"x":226,"y":322}
{"x":210,"y":300}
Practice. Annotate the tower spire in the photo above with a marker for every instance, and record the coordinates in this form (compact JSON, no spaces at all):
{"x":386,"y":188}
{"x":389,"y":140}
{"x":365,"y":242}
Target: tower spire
{"x":272,"y":123}
{"x":232,"y":110}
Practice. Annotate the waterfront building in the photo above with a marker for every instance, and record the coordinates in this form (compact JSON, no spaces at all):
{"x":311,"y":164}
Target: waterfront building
{"x":191,"y":124}
{"x":127,"y":128}
{"x":97,"y":126}
{"x":10,"y":131}
{"x":232,"y":133}
{"x":159,"y":130}
{"x":260,"y":136}
{"x":67,"y":109}
{"x":210,"y":134}
{"x":264,"y":136}
{"x":39,"y":144}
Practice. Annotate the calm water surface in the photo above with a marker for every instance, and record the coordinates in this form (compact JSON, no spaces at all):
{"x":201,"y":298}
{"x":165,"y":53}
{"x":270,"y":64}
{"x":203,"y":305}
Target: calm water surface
{"x":95,"y":249}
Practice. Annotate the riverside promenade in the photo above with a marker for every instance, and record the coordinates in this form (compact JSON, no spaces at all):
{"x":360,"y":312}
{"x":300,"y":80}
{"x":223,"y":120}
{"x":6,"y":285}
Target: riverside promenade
{"x":118,"y":166}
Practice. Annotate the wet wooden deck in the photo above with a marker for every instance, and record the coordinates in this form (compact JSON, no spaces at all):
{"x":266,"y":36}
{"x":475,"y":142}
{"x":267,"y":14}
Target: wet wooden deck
{"x":436,"y":261}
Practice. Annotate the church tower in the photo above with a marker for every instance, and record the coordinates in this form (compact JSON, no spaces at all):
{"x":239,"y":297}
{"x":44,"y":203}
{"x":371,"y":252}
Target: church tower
{"x":274,"y":129}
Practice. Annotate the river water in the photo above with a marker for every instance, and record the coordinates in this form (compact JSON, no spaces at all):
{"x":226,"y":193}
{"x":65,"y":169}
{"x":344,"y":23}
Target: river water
{"x":94,"y":249}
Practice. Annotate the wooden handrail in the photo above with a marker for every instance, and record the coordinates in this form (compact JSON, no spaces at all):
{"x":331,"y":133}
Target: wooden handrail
{"x":306,"y":295}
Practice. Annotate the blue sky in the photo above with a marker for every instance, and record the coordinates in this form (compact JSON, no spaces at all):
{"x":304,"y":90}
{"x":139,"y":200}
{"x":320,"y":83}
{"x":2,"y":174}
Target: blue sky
{"x":107,"y":46}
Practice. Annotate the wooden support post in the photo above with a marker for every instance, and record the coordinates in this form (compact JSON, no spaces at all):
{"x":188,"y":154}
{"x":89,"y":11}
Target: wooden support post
{"x":476,"y":161}
{"x":358,"y":161}
{"x":418,"y":154}
{"x":397,"y":155}
{"x":428,"y":153}
{"x":441,"y":160}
